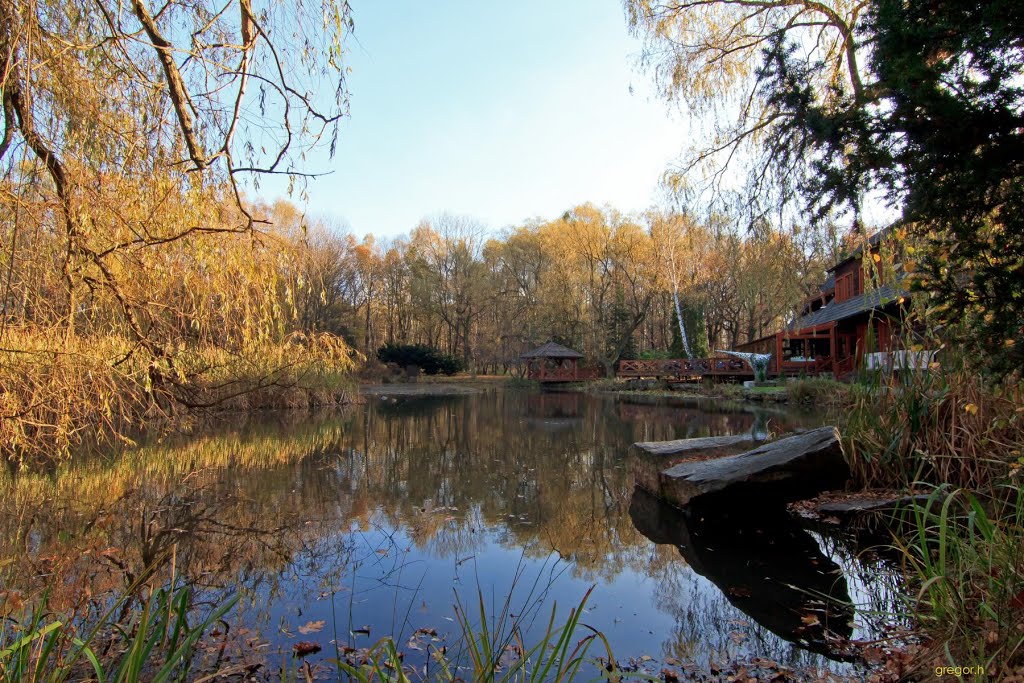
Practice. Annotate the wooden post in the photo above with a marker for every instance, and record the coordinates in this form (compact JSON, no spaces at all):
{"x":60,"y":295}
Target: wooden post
{"x":832,"y":348}
{"x":778,"y":353}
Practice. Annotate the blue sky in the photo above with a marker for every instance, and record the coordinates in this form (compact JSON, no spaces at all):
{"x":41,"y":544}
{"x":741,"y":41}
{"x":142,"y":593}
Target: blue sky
{"x":499,"y":111}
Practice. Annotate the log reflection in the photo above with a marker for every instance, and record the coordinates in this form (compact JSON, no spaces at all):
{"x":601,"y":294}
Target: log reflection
{"x":765,"y":565}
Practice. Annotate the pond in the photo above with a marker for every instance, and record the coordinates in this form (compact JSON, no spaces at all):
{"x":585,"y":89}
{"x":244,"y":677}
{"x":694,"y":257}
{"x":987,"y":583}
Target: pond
{"x":344,"y":527}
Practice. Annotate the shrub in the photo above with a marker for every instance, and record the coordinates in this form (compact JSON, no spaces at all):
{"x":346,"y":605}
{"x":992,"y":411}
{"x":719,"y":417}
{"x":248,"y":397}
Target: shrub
{"x":819,"y":391}
{"x":428,"y":359}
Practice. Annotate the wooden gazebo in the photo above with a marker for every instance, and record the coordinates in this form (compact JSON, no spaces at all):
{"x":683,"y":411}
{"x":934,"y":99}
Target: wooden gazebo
{"x":555,"y":363}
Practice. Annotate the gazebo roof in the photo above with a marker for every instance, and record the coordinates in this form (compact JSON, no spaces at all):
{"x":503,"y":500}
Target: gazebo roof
{"x":552,"y":350}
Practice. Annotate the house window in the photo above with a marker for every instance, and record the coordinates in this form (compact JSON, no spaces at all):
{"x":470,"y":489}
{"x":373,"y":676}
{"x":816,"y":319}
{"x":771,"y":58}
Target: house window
{"x":792,"y":348}
{"x":845,"y":287}
{"x":805,"y":350}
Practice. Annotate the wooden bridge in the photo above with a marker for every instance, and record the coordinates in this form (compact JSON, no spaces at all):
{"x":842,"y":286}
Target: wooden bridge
{"x":693,"y":369}
{"x":681,"y":369}
{"x":553,"y":364}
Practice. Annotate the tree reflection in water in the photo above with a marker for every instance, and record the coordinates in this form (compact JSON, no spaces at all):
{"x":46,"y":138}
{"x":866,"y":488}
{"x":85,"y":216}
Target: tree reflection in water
{"x":375,"y":516}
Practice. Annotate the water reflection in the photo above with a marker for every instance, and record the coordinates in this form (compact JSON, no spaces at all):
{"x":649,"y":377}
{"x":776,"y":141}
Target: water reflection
{"x":378,"y":516}
{"x":767,"y":567}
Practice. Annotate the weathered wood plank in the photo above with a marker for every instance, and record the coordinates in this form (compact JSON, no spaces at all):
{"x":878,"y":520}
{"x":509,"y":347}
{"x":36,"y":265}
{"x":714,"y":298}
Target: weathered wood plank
{"x":678,"y":446}
{"x":859,"y":505}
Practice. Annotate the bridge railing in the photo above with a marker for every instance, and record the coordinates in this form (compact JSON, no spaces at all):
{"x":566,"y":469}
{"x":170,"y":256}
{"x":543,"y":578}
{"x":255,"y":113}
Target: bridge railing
{"x":682,"y":367}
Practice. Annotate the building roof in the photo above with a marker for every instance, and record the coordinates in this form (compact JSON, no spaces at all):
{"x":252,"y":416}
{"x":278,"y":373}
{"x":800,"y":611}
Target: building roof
{"x":833,"y":312}
{"x":552,"y":350}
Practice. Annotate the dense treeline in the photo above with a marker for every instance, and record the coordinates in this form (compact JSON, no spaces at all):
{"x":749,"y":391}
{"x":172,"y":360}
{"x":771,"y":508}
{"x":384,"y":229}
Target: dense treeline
{"x":593,"y":279}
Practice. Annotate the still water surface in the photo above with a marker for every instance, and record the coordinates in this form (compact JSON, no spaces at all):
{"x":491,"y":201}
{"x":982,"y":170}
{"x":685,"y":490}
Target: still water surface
{"x":376,"y":520}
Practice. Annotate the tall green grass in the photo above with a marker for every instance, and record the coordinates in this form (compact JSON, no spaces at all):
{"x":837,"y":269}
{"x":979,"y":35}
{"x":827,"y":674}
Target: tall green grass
{"x":493,"y":648}
{"x":966,"y":554}
{"x":555,"y":656}
{"x":156,"y":644}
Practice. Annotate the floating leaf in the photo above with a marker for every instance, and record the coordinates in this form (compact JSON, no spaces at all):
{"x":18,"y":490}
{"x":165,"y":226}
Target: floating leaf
{"x":312,"y":627}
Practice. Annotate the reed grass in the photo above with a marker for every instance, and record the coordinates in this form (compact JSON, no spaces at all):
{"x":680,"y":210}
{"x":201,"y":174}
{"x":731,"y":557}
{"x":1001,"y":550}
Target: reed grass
{"x":156,"y":645}
{"x":947,"y":425}
{"x":966,"y":555}
{"x":958,"y":435}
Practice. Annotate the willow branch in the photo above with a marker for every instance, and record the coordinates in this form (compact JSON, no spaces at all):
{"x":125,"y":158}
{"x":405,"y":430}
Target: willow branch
{"x":183,"y":105}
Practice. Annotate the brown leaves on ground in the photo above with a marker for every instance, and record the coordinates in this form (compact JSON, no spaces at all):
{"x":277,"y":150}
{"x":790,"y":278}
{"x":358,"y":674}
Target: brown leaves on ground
{"x":11,"y":602}
{"x":1008,"y":675}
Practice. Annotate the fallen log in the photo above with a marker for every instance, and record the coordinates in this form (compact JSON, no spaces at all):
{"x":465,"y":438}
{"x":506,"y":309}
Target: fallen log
{"x":791,"y":468}
{"x":649,"y":458}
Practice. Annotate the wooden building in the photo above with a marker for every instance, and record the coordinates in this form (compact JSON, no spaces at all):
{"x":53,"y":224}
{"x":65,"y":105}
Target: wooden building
{"x":841,"y":323}
{"x":555,"y":363}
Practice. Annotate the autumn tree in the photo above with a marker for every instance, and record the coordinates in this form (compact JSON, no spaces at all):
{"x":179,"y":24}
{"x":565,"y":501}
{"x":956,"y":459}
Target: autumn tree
{"x":130,"y":133}
{"x":705,"y":54}
{"x":92,"y":94}
{"x":451,"y":282}
{"x":676,"y":239}
{"x":395,"y":302}
{"x":523,"y":271}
